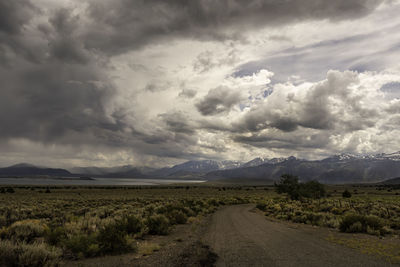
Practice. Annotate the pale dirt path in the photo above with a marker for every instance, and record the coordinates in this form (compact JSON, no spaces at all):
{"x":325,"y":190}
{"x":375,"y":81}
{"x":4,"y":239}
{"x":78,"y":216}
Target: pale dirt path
{"x":244,"y":238}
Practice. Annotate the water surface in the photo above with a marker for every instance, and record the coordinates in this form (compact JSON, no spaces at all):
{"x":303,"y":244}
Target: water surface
{"x":94,"y":181}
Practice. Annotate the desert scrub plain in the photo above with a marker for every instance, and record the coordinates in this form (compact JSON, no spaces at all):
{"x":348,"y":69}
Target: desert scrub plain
{"x":43,"y":226}
{"x":367,"y":209}
{"x":370,"y":209}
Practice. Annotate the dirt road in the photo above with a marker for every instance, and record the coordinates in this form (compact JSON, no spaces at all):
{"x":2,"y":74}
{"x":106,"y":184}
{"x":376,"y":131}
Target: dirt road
{"x":241,"y":237}
{"x":244,"y":238}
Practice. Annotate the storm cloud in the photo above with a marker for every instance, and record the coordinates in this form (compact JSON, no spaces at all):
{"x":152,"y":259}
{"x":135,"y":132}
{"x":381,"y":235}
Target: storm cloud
{"x":120,"y":25}
{"x":159,"y":82}
{"x":53,"y":90}
{"x":218,"y":100}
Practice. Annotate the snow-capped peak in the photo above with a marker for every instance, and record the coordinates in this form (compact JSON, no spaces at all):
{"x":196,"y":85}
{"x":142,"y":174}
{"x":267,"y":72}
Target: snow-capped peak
{"x":261,"y":160}
{"x":390,"y":156}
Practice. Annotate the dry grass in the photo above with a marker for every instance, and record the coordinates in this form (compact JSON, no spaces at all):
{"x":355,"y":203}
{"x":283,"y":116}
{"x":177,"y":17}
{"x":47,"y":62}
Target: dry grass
{"x":147,"y":248}
{"x":387,"y":249}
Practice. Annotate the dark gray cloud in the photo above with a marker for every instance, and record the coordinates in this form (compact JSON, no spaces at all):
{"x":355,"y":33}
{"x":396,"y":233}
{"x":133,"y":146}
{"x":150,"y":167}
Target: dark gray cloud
{"x":152,"y":87}
{"x":14,"y":15}
{"x":14,"y":18}
{"x":62,"y":96}
{"x":218,"y":100}
{"x":123,"y":25}
{"x":187,"y":93}
{"x":279,"y":140}
{"x":64,"y":44}
{"x":177,"y":122}
{"x":45,"y":103}
{"x":62,"y":92}
{"x":284,"y":124}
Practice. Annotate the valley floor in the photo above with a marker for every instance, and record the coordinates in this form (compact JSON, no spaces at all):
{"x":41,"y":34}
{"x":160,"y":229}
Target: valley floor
{"x":240,"y":236}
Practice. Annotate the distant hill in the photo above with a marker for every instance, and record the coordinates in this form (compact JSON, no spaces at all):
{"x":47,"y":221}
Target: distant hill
{"x":126,"y":171}
{"x":28,"y":170}
{"x":392,"y":181}
{"x":238,"y":181}
{"x":118,"y":171}
{"x":132,"y":173}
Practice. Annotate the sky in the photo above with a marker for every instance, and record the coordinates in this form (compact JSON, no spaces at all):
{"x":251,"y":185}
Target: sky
{"x":159,"y":82}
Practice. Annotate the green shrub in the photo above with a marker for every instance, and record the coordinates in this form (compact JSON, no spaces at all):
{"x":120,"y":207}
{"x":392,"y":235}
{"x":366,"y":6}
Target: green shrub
{"x":354,"y":223}
{"x":158,"y":225}
{"x":39,"y":255}
{"x":212,"y":202}
{"x":337,"y":211}
{"x":261,"y":206}
{"x":9,"y":253}
{"x":132,"y":224}
{"x":113,"y":239}
{"x":332,"y":223}
{"x":356,"y":227}
{"x":189,"y":212}
{"x":346,"y":194}
{"x":22,"y":254}
{"x":81,"y":245}
{"x":314,"y":218}
{"x":177,"y":217}
{"x":25,"y":230}
{"x":395,"y":224}
{"x":55,"y":235}
{"x":10,"y":190}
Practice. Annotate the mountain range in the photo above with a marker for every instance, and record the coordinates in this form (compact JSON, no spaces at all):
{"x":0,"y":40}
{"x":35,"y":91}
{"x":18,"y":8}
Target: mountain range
{"x":341,"y":168}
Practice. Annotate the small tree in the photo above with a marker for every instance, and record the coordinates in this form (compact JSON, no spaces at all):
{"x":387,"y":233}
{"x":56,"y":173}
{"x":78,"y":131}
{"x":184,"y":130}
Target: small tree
{"x":312,"y":189}
{"x":10,"y":190}
{"x":346,"y":194}
{"x":288,"y":184}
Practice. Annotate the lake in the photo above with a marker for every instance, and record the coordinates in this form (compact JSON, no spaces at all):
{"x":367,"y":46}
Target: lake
{"x":92,"y":182}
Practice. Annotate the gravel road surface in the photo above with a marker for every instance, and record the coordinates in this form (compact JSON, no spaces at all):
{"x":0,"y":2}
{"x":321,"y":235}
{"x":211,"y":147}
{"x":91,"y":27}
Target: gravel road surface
{"x":241,"y":237}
